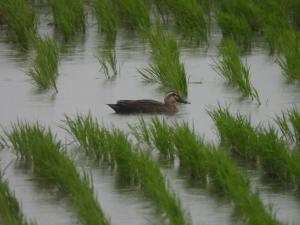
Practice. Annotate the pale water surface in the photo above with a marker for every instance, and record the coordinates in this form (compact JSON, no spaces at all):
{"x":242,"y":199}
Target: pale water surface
{"x":83,"y":88}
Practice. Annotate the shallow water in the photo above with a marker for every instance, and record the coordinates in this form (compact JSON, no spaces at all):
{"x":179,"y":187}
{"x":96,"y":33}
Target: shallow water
{"x":83,"y":88}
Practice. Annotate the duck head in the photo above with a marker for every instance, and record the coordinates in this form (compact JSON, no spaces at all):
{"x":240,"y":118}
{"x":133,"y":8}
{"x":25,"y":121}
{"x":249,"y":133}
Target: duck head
{"x":172,"y":98}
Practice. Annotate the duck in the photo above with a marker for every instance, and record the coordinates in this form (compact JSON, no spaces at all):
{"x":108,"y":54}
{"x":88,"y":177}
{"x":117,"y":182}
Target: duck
{"x":149,"y":106}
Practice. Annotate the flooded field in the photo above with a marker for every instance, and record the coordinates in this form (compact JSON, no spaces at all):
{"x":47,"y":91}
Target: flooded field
{"x":82,"y":88}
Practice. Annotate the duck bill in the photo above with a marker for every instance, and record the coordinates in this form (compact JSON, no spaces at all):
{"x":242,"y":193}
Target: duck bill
{"x":183,"y":101}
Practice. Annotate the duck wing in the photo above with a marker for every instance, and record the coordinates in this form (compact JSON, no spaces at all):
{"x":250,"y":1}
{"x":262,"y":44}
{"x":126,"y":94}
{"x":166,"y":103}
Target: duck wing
{"x":138,"y":106}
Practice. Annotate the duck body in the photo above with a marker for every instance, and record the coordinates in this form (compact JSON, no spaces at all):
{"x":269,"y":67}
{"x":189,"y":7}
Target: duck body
{"x":141,"y":106}
{"x":148,"y":106}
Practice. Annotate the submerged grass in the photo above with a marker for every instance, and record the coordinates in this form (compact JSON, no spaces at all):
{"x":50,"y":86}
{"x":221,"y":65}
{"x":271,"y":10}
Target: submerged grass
{"x":166,"y":68}
{"x":68,"y":16}
{"x":261,"y":145}
{"x":37,"y":144}
{"x":108,"y":60}
{"x":108,"y":63}
{"x":10,"y":213}
{"x":134,"y":167}
{"x":212,"y":167}
{"x":45,"y":69}
{"x":231,"y":67}
{"x":20,"y":18}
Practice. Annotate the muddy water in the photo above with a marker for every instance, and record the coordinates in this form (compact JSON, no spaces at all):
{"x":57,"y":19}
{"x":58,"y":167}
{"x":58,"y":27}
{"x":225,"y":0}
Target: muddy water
{"x":83,"y":88}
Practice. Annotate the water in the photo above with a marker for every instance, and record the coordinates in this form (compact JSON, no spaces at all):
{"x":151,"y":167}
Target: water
{"x":83,"y":88}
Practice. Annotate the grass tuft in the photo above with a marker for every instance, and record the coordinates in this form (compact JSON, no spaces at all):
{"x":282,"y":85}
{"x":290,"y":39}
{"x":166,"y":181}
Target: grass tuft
{"x":274,"y":21}
{"x":21,"y":20}
{"x":231,"y":67}
{"x":68,"y":16}
{"x":39,"y":146}
{"x":166,"y":68}
{"x":293,"y":7}
{"x":235,"y":28}
{"x":189,"y":18}
{"x":158,"y":134}
{"x":108,"y":62}
{"x":134,"y":14}
{"x":275,"y":158}
{"x":134,"y":167}
{"x":230,"y":127}
{"x":238,"y":19}
{"x":289,"y":124}
{"x":45,"y":69}
{"x":212,"y":167}
{"x":262,"y":144}
{"x":106,"y":17}
{"x":10,"y":212}
{"x":289,"y":61}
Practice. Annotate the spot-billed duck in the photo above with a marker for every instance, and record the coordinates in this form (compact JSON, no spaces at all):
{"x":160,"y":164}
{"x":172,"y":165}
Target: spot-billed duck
{"x":149,"y":106}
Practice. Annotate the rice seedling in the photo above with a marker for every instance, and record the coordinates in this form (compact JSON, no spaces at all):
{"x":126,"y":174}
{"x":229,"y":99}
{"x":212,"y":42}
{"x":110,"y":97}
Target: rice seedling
{"x":106,"y":17}
{"x":158,"y":134}
{"x":10,"y":212}
{"x":108,"y":63}
{"x":1,"y":17}
{"x":213,"y":168}
{"x":272,"y":30}
{"x":45,"y":69}
{"x":235,"y":28}
{"x":207,"y":6}
{"x":293,"y":7}
{"x":141,"y":132}
{"x":262,"y":145}
{"x":20,"y":19}
{"x":231,"y":67}
{"x":244,"y":8}
{"x":149,"y":178}
{"x":134,"y":167}
{"x":37,"y":145}
{"x":238,"y":19}
{"x":230,"y":127}
{"x":108,"y":60}
{"x":68,"y":16}
{"x":274,"y":21}
{"x":289,"y":124}
{"x":275,"y":158}
{"x":289,"y":61}
{"x":189,"y":18}
{"x":134,"y":14}
{"x":2,"y":143}
{"x":296,"y":166}
{"x":166,"y":68}
{"x":163,"y":9}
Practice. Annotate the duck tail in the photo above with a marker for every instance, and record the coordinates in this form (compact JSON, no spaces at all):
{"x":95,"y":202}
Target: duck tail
{"x":114,"y":107}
